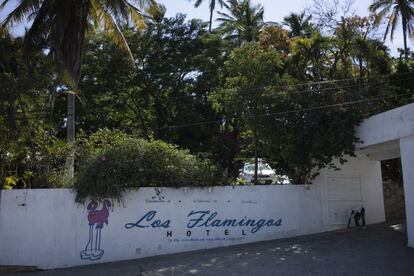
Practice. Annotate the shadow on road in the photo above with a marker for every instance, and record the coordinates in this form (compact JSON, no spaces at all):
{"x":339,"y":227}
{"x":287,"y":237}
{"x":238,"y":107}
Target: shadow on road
{"x":377,"y":250}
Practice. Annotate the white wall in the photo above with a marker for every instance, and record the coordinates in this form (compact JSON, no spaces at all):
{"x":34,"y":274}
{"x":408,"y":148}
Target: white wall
{"x":45,"y":228}
{"x":391,"y":135}
{"x":407,"y":161}
{"x":368,"y":173}
{"x":388,"y":126}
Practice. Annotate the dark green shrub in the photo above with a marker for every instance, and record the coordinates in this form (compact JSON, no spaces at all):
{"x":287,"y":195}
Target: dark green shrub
{"x":120,"y":162}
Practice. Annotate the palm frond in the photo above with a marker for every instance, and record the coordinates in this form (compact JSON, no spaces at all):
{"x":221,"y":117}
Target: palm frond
{"x":381,"y":14}
{"x":241,"y":19}
{"x":198,"y":3}
{"x":394,"y":10}
{"x":136,"y":16}
{"x":380,"y":4}
{"x":22,"y":11}
{"x":36,"y":36}
{"x":2,"y":5}
{"x":110,"y":26}
{"x":395,"y":19}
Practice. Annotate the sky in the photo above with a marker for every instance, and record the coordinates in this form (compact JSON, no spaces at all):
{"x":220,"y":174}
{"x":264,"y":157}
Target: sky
{"x":275,"y":10}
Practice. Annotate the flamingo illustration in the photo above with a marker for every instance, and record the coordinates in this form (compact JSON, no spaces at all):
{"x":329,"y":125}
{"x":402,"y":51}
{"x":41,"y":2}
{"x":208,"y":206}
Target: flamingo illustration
{"x":96,"y":218}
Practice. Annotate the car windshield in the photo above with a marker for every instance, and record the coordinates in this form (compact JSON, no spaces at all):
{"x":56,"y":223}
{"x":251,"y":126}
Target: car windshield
{"x":261,"y":166}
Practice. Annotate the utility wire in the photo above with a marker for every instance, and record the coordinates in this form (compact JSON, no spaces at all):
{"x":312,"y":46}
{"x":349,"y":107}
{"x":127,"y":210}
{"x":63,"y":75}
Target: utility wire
{"x":281,"y":87}
{"x":277,"y":93}
{"x":338,"y":89}
{"x":286,"y":112}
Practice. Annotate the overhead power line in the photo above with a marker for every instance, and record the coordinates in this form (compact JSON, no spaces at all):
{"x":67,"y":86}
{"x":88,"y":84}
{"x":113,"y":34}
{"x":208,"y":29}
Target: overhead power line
{"x":32,"y":114}
{"x":333,"y":89}
{"x":287,"y":112}
{"x":277,"y":88}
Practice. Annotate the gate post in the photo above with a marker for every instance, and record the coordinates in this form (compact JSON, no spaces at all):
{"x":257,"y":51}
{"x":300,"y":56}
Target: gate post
{"x":407,"y":160}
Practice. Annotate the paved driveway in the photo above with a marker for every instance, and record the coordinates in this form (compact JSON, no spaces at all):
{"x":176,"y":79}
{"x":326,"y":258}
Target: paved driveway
{"x":378,"y":250}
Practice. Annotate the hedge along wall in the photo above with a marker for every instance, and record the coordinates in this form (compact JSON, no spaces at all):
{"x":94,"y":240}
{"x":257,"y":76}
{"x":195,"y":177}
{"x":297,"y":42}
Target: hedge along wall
{"x":46,"y":228}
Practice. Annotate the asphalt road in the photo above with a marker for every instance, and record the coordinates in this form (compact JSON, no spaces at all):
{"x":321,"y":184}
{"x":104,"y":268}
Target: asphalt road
{"x":377,"y":250}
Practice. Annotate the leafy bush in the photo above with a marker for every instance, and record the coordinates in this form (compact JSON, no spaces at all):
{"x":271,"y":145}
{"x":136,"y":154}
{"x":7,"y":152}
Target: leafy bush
{"x":110,"y":164}
{"x":36,"y":161}
{"x":89,"y":147}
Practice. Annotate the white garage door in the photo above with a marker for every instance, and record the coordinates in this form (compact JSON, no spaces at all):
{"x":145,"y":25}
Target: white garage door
{"x":343,"y":194}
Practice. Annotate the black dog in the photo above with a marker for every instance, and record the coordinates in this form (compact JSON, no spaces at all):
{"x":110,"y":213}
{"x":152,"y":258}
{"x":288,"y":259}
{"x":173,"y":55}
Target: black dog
{"x":358,"y":216}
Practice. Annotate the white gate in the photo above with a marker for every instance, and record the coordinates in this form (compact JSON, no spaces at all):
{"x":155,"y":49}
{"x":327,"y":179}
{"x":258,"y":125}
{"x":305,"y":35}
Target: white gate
{"x":343,"y":193}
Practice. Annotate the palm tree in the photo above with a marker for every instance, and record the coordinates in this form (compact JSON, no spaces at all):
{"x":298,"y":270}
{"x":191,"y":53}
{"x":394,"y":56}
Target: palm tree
{"x":4,"y":31}
{"x":60,"y":26}
{"x":298,"y":24}
{"x":212,"y":8}
{"x":310,"y":55}
{"x":393,"y":10}
{"x":243,"y":22}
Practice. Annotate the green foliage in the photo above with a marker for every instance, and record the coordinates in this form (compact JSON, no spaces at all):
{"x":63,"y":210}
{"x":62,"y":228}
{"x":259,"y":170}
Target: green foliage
{"x":294,"y":94}
{"x":177,"y":64}
{"x":243,"y":21}
{"x":97,"y":143}
{"x":9,"y":183}
{"x":251,"y":71}
{"x":119,"y":162}
{"x":29,"y":151}
{"x":393,"y":10}
{"x":299,"y":24}
{"x":212,"y":7}
{"x":298,"y":142}
{"x":308,"y":140}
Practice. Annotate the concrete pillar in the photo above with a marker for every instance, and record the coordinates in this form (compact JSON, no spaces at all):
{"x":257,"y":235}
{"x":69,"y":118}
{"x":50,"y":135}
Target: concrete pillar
{"x":407,"y":160}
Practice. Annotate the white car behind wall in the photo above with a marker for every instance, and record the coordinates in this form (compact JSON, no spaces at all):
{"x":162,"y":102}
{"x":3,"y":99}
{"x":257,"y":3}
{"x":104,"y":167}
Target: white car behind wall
{"x":265,"y":175}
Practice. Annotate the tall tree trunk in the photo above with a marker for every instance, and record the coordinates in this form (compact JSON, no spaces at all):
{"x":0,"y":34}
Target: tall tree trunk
{"x":404,"y":22}
{"x":160,"y":119}
{"x":256,"y":157}
{"x":211,"y":21}
{"x":70,"y":124}
{"x":73,"y":20}
{"x":361,"y":74}
{"x":256,"y":154}
{"x":233,"y":145}
{"x":227,"y":150}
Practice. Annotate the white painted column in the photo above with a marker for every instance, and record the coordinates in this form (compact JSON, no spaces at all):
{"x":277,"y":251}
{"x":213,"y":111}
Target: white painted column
{"x":407,"y":160}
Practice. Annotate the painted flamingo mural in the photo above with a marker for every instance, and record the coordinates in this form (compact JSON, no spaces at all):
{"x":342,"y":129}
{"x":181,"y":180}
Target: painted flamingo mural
{"x":96,"y":219}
